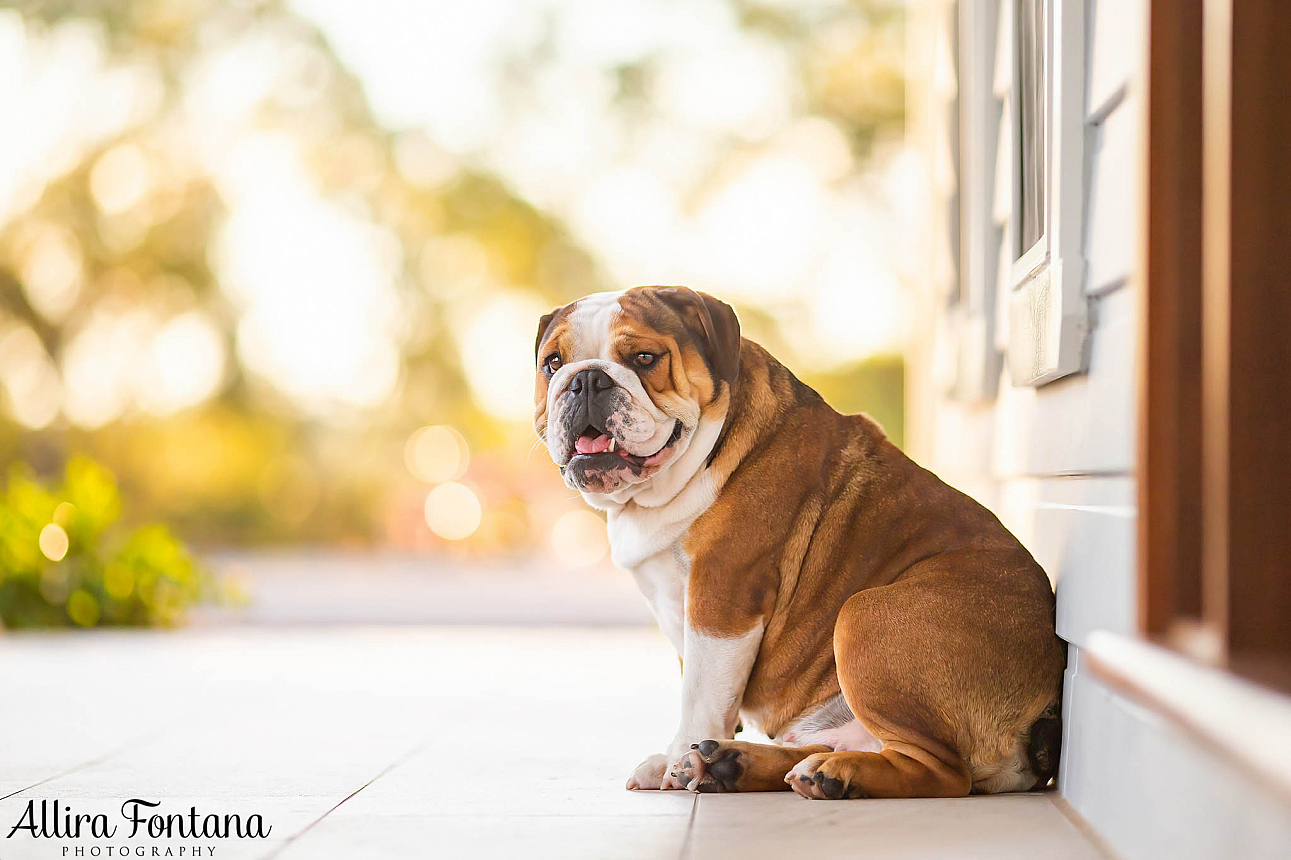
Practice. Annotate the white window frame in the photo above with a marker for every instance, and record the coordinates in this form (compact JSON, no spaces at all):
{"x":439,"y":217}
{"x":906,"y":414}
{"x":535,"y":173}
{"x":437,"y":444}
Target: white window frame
{"x":1048,"y":314}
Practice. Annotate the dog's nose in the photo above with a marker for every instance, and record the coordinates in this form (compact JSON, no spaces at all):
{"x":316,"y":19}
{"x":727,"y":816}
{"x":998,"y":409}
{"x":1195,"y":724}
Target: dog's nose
{"x":591,"y":380}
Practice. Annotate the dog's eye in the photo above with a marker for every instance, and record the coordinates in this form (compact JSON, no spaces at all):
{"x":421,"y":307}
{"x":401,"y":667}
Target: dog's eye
{"x":644,"y":359}
{"x":552,"y":364}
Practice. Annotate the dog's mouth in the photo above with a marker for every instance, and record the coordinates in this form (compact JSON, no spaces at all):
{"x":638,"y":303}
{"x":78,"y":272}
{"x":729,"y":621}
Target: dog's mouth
{"x":595,"y":444}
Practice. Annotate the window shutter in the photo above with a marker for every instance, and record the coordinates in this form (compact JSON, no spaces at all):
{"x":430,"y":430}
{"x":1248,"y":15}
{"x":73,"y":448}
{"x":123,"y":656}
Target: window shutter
{"x":979,"y":358}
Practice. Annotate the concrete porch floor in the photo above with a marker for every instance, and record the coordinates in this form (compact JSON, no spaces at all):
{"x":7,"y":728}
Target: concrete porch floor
{"x":392,"y":742}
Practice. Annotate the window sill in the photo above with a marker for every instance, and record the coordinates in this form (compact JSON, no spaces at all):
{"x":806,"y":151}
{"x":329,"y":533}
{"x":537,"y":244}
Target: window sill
{"x":1243,"y":723}
{"x":1047,"y":324}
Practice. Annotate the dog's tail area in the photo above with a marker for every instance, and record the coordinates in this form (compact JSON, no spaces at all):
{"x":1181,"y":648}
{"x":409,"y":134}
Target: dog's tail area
{"x":1044,"y":747}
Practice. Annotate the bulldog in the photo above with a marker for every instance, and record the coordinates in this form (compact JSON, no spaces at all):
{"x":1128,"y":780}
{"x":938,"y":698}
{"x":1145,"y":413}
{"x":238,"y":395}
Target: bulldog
{"x":884,"y":630}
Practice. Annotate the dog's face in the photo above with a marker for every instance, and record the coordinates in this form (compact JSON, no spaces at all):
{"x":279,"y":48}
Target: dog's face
{"x":624,"y":382}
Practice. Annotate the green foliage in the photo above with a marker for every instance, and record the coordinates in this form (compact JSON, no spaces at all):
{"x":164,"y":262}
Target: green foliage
{"x":63,"y":564}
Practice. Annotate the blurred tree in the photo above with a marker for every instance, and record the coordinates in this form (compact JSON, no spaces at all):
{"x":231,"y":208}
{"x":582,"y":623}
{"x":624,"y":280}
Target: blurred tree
{"x":118,"y":260}
{"x":244,"y":465}
{"x":850,"y":57}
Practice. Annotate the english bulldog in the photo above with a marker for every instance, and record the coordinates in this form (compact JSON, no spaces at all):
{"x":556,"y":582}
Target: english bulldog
{"x":884,"y":630}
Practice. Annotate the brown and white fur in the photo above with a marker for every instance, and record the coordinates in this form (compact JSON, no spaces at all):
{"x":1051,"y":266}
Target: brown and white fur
{"x":888,"y":634}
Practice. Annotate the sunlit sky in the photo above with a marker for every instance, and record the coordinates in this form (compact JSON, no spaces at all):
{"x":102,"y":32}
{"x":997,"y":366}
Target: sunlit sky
{"x":786,"y":224}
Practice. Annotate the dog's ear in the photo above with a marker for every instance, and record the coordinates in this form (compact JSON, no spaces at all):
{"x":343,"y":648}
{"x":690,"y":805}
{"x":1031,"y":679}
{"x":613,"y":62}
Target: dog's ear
{"x":714,"y":322}
{"x":543,"y":323}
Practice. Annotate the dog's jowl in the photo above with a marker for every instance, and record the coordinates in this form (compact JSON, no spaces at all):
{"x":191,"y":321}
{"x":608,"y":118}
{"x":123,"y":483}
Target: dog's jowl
{"x":888,"y":634}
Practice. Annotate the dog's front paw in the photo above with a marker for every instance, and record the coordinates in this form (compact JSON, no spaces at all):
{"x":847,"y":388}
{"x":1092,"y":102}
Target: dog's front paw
{"x":825,"y":776}
{"x":710,"y":766}
{"x":653,"y":773}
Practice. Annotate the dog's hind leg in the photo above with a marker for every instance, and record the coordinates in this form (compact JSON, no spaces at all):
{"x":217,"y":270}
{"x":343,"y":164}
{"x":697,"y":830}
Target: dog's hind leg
{"x":948,"y":680}
{"x":722,"y":766}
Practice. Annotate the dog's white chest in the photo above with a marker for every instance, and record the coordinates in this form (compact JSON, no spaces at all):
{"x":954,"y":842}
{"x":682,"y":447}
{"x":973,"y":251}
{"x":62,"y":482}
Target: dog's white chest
{"x":662,"y":578}
{"x":649,"y":543}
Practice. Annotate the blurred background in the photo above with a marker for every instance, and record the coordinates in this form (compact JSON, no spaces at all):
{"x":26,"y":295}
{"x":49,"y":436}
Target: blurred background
{"x":270,"y":271}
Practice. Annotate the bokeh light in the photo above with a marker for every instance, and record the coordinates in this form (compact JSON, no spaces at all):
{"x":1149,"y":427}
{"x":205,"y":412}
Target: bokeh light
{"x":101,"y":361}
{"x":63,"y":514}
{"x":32,"y":385}
{"x":453,"y":511}
{"x":120,"y":178}
{"x":578,"y":538}
{"x":83,"y":608}
{"x":51,"y":272}
{"x":185,"y":364}
{"x":53,"y":542}
{"x":437,"y":454}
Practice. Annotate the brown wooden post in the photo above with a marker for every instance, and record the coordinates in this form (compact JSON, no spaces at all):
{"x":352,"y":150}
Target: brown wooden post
{"x":1169,"y":485}
{"x":1246,"y":334}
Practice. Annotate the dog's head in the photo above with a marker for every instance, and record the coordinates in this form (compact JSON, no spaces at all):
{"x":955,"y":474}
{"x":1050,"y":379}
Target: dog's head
{"x":633,"y":386}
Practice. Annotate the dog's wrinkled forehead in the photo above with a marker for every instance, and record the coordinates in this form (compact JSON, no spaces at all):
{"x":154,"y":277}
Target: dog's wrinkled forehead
{"x":590,"y":326}
{"x":594,"y":327}
{"x":581,"y":330}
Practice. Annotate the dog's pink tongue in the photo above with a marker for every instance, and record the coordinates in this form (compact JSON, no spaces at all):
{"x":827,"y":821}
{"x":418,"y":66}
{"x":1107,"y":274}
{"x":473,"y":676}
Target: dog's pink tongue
{"x":588,"y":445}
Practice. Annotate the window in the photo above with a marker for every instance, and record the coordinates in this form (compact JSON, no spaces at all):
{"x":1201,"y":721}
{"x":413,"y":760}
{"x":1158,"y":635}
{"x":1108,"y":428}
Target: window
{"x":1040,"y":187}
{"x":1021,"y":138}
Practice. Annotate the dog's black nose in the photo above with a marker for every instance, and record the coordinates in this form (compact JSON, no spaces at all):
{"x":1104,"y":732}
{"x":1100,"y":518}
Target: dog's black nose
{"x":590,"y":380}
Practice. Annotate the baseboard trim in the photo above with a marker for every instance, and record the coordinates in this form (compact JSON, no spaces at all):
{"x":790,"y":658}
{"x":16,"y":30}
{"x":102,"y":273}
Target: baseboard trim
{"x":1238,"y":721}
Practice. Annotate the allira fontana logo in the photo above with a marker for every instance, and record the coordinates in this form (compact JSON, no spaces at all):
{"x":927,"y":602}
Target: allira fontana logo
{"x":137,"y":819}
